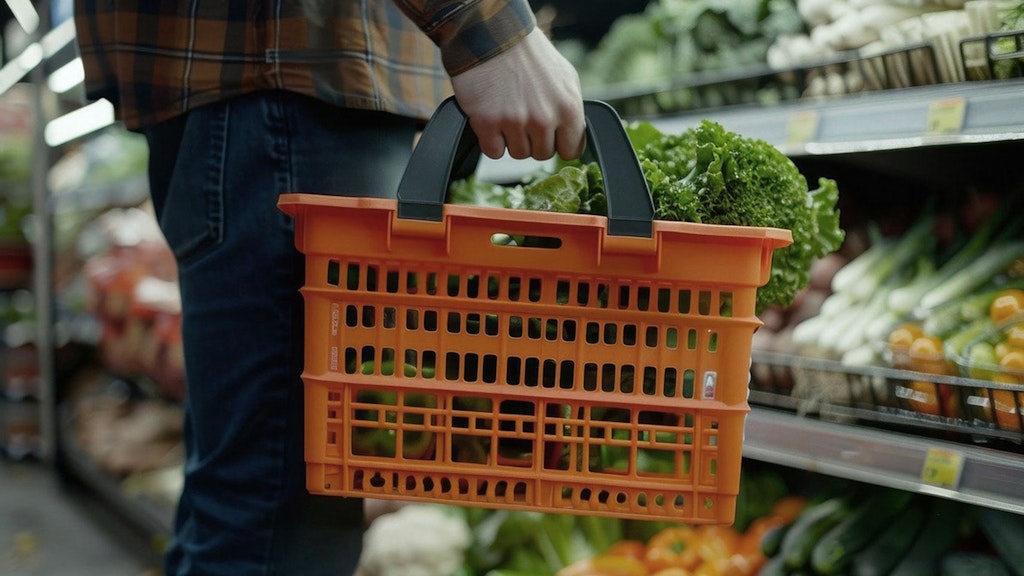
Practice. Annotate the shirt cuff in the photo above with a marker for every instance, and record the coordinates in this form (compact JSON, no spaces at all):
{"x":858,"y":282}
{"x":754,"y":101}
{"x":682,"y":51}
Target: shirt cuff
{"x":473,"y":32}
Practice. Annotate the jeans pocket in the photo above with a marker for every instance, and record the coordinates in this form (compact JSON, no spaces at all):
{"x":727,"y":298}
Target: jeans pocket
{"x":192,"y":214}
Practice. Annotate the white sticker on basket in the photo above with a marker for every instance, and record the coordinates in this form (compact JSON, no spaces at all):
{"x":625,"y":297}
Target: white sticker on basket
{"x":710,"y":381}
{"x":333,"y":362}
{"x":335,"y":317}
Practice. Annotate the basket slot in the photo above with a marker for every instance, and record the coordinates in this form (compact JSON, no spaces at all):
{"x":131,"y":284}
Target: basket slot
{"x":375,"y":278}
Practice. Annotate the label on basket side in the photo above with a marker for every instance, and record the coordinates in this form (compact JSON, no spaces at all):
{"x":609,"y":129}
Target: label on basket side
{"x":333,"y":355}
{"x":710,"y":382}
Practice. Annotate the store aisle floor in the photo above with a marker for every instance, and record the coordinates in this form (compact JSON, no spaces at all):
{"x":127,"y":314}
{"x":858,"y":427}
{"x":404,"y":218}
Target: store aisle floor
{"x":47,"y":529}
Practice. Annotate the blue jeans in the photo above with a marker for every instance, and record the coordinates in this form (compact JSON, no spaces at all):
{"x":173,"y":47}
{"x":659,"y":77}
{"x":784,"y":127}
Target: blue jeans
{"x":216,"y":174}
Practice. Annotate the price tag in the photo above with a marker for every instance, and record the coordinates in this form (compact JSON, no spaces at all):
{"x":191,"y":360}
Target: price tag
{"x":946,"y":116}
{"x":942,"y":468}
{"x":802,"y":127}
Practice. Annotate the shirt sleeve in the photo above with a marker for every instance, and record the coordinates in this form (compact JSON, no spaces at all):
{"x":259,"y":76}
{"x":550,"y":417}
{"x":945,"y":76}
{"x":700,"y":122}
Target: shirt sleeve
{"x":469,"y":32}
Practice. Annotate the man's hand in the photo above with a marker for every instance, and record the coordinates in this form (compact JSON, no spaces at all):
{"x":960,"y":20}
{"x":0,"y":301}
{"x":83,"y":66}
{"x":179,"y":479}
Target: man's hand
{"x":526,"y":99}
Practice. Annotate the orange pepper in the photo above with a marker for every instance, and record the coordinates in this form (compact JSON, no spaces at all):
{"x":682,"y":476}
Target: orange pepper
{"x":716,"y":542}
{"x":788,"y":507}
{"x":749,"y":543}
{"x":674,"y":547}
{"x":605,"y":565}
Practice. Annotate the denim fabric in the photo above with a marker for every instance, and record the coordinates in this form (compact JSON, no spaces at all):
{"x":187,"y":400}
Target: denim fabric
{"x":215,"y":176}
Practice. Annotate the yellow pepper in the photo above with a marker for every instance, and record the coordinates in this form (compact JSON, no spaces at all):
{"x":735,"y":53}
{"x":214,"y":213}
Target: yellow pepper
{"x":675,"y":547}
{"x":605,"y":565}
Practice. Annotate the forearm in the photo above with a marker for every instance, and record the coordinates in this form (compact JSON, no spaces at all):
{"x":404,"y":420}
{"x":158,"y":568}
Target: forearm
{"x":469,"y":32}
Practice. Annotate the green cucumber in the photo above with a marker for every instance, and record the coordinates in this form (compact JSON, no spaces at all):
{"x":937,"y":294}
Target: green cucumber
{"x":808,"y":528}
{"x":771,"y":541}
{"x":833,"y":553}
{"x":1005,"y":531}
{"x":883,"y":553}
{"x":933,"y":541}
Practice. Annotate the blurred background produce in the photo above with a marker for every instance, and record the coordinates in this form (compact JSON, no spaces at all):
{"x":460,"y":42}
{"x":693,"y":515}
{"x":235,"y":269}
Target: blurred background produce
{"x":912,"y":326}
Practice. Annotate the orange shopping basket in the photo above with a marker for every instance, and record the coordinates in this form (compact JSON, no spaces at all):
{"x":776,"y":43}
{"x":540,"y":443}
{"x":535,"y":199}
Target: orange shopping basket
{"x":595,"y":366}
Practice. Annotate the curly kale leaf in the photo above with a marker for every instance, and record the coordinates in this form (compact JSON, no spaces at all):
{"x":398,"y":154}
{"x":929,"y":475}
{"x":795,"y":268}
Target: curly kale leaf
{"x":705,"y":174}
{"x":711,"y":175}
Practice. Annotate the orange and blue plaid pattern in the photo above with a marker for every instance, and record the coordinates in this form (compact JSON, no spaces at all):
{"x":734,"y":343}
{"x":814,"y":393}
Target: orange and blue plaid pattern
{"x":155,"y":59}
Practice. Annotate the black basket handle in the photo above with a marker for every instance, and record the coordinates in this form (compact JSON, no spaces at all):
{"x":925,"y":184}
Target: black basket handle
{"x":449,"y":147}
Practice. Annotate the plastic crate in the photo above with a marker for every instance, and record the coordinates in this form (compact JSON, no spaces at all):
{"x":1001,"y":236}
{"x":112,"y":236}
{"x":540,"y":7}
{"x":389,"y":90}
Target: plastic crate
{"x":600,"y":368}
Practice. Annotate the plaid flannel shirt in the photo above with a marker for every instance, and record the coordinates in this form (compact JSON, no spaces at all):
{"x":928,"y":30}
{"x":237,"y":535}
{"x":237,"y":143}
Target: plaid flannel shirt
{"x":155,"y":59}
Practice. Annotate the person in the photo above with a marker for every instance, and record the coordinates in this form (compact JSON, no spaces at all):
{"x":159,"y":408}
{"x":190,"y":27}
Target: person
{"x":241,"y":101}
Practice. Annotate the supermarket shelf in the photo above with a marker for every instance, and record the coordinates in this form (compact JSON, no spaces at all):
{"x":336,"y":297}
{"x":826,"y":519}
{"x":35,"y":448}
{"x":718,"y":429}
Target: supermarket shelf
{"x":936,"y":115}
{"x":876,"y":121}
{"x":986,"y":477}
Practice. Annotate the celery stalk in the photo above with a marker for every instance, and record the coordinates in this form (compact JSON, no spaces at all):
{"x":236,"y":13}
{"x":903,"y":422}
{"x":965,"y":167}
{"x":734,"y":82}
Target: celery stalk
{"x":977,"y":273}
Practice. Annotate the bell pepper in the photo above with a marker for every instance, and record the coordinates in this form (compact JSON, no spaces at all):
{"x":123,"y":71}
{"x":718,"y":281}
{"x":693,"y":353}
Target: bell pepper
{"x":673,"y":547}
{"x":605,"y":565}
{"x":715,"y":542}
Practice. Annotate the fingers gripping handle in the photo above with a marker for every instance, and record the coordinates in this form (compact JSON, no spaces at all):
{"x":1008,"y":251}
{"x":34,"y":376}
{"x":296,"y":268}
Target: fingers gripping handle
{"x":448,"y":145}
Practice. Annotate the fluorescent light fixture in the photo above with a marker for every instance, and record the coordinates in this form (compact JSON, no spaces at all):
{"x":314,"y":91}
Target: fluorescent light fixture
{"x":33,"y":54}
{"x":16,"y":69}
{"x":85,"y":120}
{"x":25,"y":13}
{"x":58,"y":38}
{"x":66,"y":77}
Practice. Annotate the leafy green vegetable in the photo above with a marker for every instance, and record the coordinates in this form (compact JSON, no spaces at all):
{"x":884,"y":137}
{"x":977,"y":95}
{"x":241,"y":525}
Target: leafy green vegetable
{"x":568,"y":190}
{"x":522,"y":541}
{"x":705,"y":174}
{"x":711,"y":175}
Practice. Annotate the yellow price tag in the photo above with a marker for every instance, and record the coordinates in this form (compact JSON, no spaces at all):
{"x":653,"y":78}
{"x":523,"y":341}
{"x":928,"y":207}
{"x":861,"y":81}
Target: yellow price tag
{"x":802,"y":127}
{"x":946,"y":116}
{"x":942,"y":468}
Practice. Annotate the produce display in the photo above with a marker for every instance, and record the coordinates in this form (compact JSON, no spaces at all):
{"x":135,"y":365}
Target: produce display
{"x":480,"y":542}
{"x":132,"y":290}
{"x":686,"y":54}
{"x":944,"y":311}
{"x":679,"y":39}
{"x":839,"y":528}
{"x":897,"y":43}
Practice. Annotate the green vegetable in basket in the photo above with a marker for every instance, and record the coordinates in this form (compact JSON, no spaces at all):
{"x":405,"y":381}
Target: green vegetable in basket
{"x":375,"y":438}
{"x":559,"y":192}
{"x":706,"y":174}
{"x":711,"y":175}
